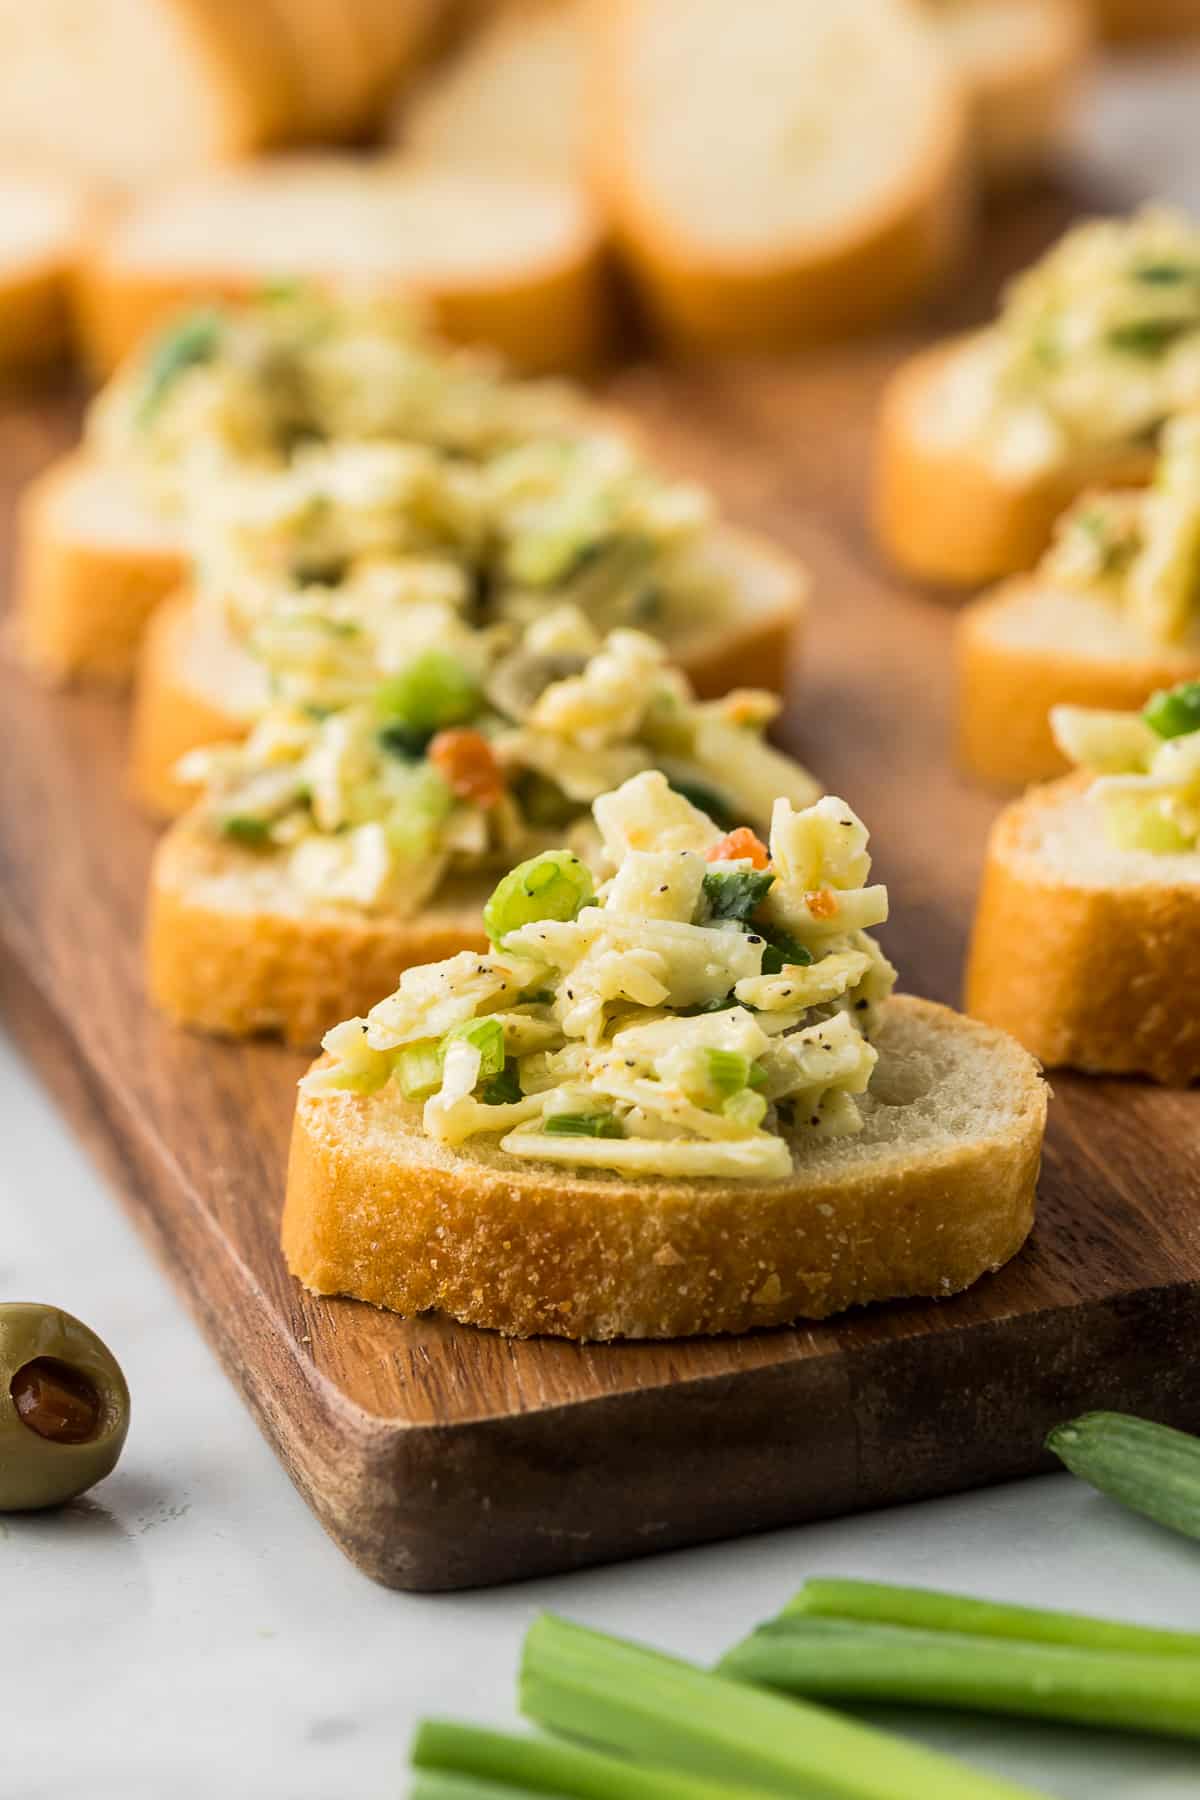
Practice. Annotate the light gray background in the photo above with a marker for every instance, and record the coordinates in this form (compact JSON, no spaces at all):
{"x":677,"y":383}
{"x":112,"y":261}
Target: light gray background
{"x":189,"y":1632}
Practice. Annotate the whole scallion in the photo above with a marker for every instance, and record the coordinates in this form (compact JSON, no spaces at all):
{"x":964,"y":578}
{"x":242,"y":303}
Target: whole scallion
{"x":538,"y":1765}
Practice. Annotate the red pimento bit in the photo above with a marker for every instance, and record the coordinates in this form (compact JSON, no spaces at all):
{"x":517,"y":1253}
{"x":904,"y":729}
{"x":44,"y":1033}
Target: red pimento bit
{"x":742,"y":845}
{"x":468,"y":764}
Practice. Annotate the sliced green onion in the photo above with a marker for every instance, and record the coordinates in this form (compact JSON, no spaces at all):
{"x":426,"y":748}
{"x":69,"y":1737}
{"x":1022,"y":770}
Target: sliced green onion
{"x":734,"y":893}
{"x":1149,"y":337}
{"x":554,"y":885}
{"x":1150,"y":1468}
{"x":929,"y":1609}
{"x":194,"y":340}
{"x":1173,"y":712}
{"x":654,"y":1707}
{"x":419,"y":1069}
{"x":728,"y":1071}
{"x":484,"y":1035}
{"x":504,"y":1089}
{"x":422,"y":801}
{"x":244,"y":828}
{"x":782,"y":951}
{"x":747,"y":1108}
{"x":597,"y":1125}
{"x":433,"y":690}
{"x":543,"y":1767}
{"x":849,"y":1659}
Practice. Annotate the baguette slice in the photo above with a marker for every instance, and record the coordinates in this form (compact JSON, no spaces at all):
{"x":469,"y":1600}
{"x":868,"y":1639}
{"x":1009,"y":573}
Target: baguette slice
{"x":498,"y":260}
{"x":93,"y":562}
{"x":937,"y":1190}
{"x":780,"y":177}
{"x":512,"y":98}
{"x":42,"y":220}
{"x":1028,"y":647}
{"x":1022,"y":61}
{"x":1106,"y":978}
{"x":134,"y":90}
{"x":197,"y":686}
{"x":232,"y":947}
{"x":945,"y":514}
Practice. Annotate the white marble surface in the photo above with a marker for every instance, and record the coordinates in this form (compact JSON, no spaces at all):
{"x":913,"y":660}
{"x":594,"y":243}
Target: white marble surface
{"x":188,"y":1631}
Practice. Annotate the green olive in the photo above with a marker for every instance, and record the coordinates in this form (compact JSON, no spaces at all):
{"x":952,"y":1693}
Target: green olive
{"x":64,"y":1407}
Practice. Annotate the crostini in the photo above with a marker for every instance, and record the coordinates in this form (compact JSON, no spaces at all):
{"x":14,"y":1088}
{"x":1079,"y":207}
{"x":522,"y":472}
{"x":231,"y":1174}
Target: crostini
{"x":502,"y":260}
{"x":984,"y":440}
{"x":1110,"y":615}
{"x":681,"y":1102}
{"x":781,"y":178}
{"x":1086,"y":944}
{"x":353,"y":834}
{"x":42,"y":221}
{"x":318,"y":573}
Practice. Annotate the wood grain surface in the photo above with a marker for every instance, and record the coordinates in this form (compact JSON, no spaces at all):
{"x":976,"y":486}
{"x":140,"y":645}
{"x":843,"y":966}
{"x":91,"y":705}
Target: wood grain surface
{"x":438,"y":1456}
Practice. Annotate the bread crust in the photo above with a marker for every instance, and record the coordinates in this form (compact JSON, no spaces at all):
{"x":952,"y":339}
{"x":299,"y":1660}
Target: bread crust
{"x":82,"y":602}
{"x":949,"y":519}
{"x":237,"y":971}
{"x":172,"y":714}
{"x":1094,"y":978}
{"x":1005,"y":691}
{"x":1127,"y":20}
{"x":1020,"y":109}
{"x":830,"y":286}
{"x":551,"y":314}
{"x":527,"y":1252}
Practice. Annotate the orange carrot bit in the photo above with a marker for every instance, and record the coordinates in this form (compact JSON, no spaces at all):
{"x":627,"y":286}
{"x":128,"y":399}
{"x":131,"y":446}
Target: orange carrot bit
{"x":467,"y":762}
{"x":822,"y":903}
{"x":742,"y":845}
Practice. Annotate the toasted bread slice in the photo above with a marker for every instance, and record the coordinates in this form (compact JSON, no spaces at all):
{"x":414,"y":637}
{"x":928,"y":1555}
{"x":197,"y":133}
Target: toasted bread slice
{"x":42,"y":220}
{"x":498,"y":260}
{"x":1129,"y":20}
{"x":945,"y":514}
{"x":512,"y":97}
{"x":781,"y":178}
{"x":937,"y":1190}
{"x":1088,"y":955}
{"x":135,"y":90}
{"x":232,"y":946}
{"x":1022,"y":61}
{"x":93,"y":562}
{"x":1028,"y":647}
{"x":197,"y":686}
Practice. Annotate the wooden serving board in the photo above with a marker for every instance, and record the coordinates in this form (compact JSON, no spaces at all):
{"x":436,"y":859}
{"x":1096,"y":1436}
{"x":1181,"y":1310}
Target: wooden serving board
{"x":439,"y":1456}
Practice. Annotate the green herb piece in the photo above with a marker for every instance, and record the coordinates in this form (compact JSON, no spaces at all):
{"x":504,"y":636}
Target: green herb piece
{"x":735,"y":893}
{"x":484,"y":1035}
{"x":1149,"y":337}
{"x":880,"y":1603}
{"x":1150,"y":1468}
{"x":597,"y":1125}
{"x":244,"y":828}
{"x":541,"y":1766}
{"x":721,"y":1004}
{"x":504,"y":1089}
{"x":1173,"y":712}
{"x":432,"y":691}
{"x":195,"y":340}
{"x":408,"y":742}
{"x":851,"y":1659}
{"x":554,"y":885}
{"x":1166,"y":274}
{"x":708,"y":800}
{"x":537,"y":997}
{"x":419,"y":1069}
{"x":782,"y":951}
{"x":656,"y":1708}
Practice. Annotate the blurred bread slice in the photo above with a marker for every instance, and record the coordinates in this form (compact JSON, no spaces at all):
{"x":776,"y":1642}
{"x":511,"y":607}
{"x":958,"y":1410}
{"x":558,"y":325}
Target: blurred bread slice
{"x":780,"y":173}
{"x":1022,"y":61}
{"x":945,"y":513}
{"x":235,"y":947}
{"x":92,"y":563}
{"x":1086,"y":954}
{"x":196,"y":685}
{"x":512,"y":97}
{"x":42,"y":221}
{"x":1132,"y":19}
{"x":1030,"y":646}
{"x":136,"y":90}
{"x":498,"y":260}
